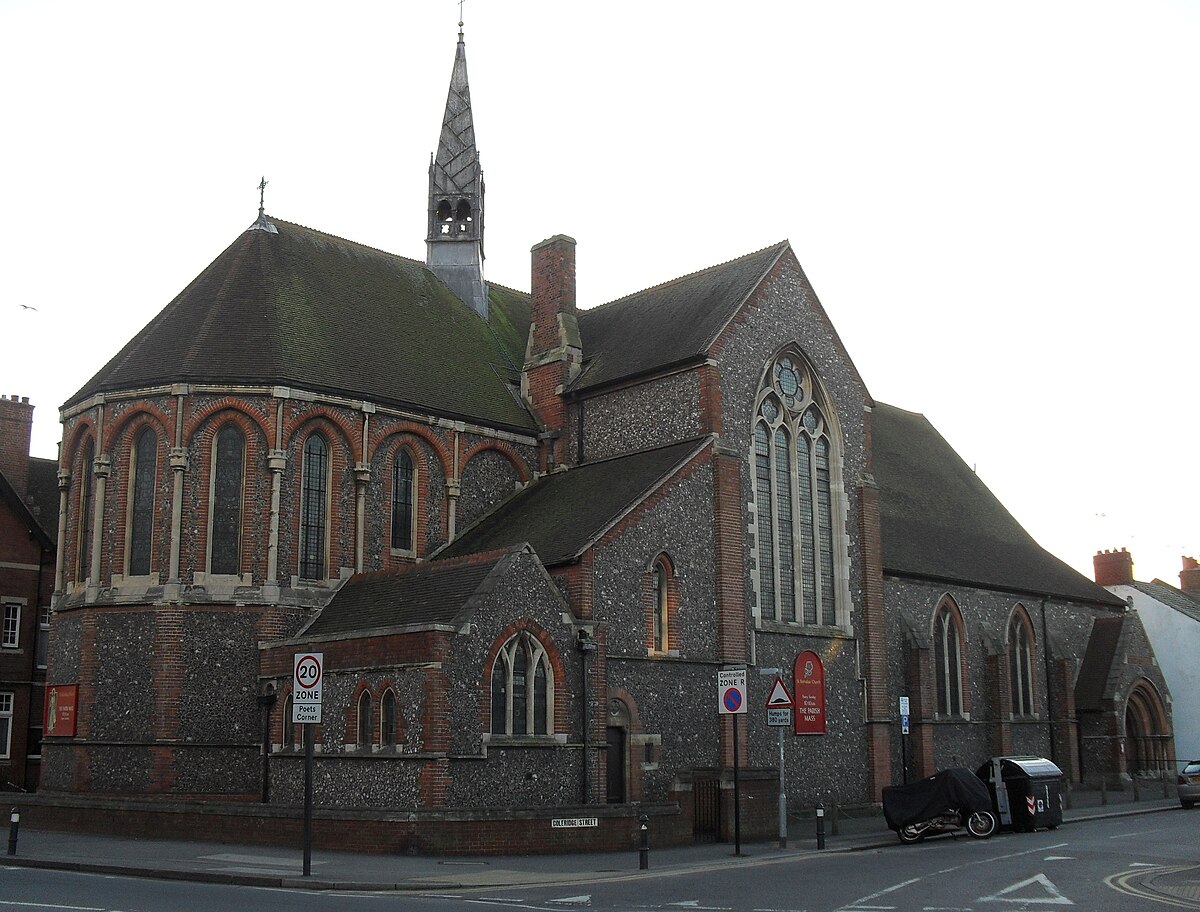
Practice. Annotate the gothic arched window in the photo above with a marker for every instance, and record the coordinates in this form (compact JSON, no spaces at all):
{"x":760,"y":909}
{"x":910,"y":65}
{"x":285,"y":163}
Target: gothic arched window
{"x":403,"y":513}
{"x":87,"y":507}
{"x":1020,"y":662}
{"x":366,"y":720}
{"x":314,"y":499}
{"x":947,"y":659}
{"x":387,"y":732}
{"x":658,"y":622}
{"x":797,"y":548}
{"x":522,"y":689}
{"x":229,"y":463}
{"x":142,"y":474}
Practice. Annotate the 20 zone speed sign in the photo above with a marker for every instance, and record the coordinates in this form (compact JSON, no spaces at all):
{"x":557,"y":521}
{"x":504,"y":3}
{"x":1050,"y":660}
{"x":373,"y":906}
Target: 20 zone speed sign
{"x":306,"y":687}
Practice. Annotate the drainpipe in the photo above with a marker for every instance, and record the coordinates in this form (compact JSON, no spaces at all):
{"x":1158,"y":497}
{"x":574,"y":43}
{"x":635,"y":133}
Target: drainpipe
{"x":1046,"y":664}
{"x":586,"y":646}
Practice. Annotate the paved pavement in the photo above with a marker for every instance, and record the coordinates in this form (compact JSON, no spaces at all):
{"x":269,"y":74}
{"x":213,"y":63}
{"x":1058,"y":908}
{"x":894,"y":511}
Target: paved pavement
{"x":272,"y":866}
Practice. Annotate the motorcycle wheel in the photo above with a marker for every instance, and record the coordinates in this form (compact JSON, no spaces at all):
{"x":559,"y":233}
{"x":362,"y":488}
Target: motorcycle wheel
{"x":981,"y":824}
{"x":910,"y":834}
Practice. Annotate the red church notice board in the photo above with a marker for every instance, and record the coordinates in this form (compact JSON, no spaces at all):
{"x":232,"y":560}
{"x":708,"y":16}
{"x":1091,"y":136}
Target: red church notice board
{"x":60,"y":710}
{"x":808,"y":694}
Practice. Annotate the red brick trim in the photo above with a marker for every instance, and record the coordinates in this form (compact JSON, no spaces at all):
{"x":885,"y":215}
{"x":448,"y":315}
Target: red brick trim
{"x":302,"y":422}
{"x":505,"y":449}
{"x":378,"y":441}
{"x":194,"y":425}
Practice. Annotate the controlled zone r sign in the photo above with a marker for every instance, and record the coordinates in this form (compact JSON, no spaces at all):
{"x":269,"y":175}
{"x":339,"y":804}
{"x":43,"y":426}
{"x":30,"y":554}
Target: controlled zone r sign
{"x":307,"y":672}
{"x":731,"y":692}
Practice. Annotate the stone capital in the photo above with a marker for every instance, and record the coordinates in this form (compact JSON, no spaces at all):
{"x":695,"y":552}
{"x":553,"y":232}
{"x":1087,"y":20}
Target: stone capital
{"x":180,"y":459}
{"x":277,"y":460}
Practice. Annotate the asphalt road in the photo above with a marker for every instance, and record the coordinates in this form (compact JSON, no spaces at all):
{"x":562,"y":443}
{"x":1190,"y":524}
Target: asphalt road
{"x":1095,"y":866}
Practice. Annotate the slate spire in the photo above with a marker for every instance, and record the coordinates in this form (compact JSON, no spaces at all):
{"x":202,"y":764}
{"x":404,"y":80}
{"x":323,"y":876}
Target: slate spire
{"x":454,"y":243}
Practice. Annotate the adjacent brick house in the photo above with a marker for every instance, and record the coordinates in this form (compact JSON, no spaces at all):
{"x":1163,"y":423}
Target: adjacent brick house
{"x":28,"y":528}
{"x":525,"y":537}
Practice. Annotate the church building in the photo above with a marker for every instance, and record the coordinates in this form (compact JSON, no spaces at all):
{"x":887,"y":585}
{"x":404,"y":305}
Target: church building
{"x":526,"y":538}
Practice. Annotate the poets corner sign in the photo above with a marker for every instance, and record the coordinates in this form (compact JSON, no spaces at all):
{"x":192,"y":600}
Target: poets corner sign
{"x":307,"y":672}
{"x":808,"y":694}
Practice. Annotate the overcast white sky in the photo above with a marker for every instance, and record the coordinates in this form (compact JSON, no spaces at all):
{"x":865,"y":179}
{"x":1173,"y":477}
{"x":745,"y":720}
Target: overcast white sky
{"x":996,"y":202}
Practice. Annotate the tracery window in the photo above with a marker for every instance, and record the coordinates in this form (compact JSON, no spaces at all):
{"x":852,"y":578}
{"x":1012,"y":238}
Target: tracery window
{"x":1020,"y":662}
{"x":87,"y":506}
{"x":142,"y":476}
{"x":947,"y":659}
{"x":229,"y":462}
{"x":796,"y":543}
{"x":522,"y":688}
{"x":366,"y":720}
{"x":403,"y":514}
{"x":314,"y":501}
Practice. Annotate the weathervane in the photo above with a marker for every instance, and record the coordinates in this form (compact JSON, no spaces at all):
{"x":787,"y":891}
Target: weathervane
{"x":460,"y":15}
{"x":262,"y":187}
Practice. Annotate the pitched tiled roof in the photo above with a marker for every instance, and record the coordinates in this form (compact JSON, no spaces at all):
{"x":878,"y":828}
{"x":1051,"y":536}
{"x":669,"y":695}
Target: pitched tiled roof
{"x":431,"y":593}
{"x":42,"y":494}
{"x":1097,"y":663}
{"x":1170,"y":596}
{"x":940,"y":521}
{"x":25,"y":510}
{"x":297,"y":307}
{"x":561,"y":514}
{"x":669,"y":323}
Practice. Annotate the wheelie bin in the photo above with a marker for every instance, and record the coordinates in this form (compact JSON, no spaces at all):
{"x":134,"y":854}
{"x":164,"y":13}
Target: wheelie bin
{"x":1026,"y":791}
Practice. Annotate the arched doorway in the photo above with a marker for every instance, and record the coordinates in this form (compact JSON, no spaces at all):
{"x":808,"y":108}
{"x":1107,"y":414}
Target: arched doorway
{"x":1148,"y":748}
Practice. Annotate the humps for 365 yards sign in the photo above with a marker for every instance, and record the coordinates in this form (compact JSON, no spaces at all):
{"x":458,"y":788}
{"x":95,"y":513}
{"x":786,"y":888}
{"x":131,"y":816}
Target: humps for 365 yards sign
{"x":808,"y":694}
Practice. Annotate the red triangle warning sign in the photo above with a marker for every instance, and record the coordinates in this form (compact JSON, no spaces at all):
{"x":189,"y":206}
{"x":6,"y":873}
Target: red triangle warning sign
{"x":779,"y":695}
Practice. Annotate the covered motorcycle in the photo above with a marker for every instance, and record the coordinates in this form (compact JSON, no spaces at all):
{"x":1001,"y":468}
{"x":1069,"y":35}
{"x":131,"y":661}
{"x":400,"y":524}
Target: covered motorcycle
{"x":945,"y":801}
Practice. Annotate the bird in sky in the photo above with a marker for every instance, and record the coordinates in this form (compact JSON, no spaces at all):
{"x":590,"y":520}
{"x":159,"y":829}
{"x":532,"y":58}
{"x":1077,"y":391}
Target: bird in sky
{"x":28,"y":307}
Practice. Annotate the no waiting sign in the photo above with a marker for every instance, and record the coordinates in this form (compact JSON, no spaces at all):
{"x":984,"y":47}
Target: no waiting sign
{"x":307,"y":672}
{"x":731,"y":692}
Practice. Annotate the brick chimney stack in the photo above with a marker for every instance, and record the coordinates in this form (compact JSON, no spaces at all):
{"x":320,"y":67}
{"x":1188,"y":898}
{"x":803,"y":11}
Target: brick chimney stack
{"x":16,"y":429}
{"x":554,"y":353}
{"x":1189,"y":576}
{"x":1113,"y":568}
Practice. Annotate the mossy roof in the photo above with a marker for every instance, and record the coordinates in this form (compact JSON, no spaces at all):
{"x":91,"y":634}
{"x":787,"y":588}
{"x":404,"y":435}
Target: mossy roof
{"x":298,"y":307}
{"x":939,"y":521}
{"x":671,"y":323}
{"x":561,"y":514}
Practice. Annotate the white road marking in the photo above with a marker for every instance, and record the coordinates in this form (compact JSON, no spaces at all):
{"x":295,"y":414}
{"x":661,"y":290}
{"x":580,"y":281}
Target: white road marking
{"x":1059,"y":858}
{"x":583,"y":899}
{"x":1052,"y":897}
{"x":27,"y":905}
{"x":1142,"y":864}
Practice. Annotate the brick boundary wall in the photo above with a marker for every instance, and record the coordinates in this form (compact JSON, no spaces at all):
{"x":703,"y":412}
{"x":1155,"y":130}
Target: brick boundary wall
{"x":509,"y":832}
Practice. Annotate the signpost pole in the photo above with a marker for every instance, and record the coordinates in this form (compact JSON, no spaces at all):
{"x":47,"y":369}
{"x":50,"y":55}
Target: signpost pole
{"x":737,"y":793}
{"x":782,"y":798}
{"x":308,"y":797}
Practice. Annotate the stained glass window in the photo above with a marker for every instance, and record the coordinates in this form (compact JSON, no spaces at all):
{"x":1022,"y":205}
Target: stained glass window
{"x":947,"y":656}
{"x":227,"y":501}
{"x":794,"y":495}
{"x":141,"y":514}
{"x":1020,"y":664}
{"x":516,"y":711}
{"x":313,"y":500}
{"x":402,"y":502}
{"x":87,"y":507}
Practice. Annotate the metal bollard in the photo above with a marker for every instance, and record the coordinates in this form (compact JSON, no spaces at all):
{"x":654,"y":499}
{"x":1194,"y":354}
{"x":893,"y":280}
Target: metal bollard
{"x":644,"y":848}
{"x":14,"y":822}
{"x":820,"y":826}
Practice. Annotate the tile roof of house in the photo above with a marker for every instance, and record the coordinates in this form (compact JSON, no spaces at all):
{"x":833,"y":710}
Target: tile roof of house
{"x":420,"y":595}
{"x":939,"y":520}
{"x":668,"y":324}
{"x":29,"y":508}
{"x":297,"y":307}
{"x":41,"y":495}
{"x":1170,"y":596}
{"x":559,"y":515}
